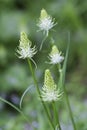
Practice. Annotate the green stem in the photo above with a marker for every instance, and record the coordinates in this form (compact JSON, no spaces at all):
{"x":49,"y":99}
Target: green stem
{"x":63,"y":83}
{"x":36,"y":84}
{"x":16,"y":108}
{"x":69,"y":108}
{"x":67,"y":99}
{"x":56,"y":116}
{"x":60,"y":76}
{"x":43,"y":42}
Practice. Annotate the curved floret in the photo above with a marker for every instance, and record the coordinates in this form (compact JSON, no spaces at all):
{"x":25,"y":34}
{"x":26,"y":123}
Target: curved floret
{"x":55,"y":56}
{"x":49,"y":90}
{"x":46,"y":22}
{"x":24,"y":49}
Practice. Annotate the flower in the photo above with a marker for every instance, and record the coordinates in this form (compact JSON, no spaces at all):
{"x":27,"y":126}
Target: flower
{"x":55,"y":56}
{"x":24,"y":49}
{"x":49,"y":90}
{"x":45,"y":22}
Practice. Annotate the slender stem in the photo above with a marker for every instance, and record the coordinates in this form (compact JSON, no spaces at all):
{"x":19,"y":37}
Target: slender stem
{"x":56,"y":115}
{"x":21,"y":100}
{"x":63,"y":83}
{"x":43,"y":42}
{"x":36,"y":84}
{"x":69,"y":108}
{"x":66,"y":95}
{"x":16,"y":108}
{"x":67,"y":99}
{"x":60,"y":77}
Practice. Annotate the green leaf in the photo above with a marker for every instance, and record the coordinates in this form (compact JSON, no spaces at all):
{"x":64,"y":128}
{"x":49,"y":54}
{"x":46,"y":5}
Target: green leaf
{"x":66,"y":59}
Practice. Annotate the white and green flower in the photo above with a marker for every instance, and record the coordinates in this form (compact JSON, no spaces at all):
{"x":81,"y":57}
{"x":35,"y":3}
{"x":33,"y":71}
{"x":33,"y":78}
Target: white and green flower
{"x":49,"y":90}
{"x":46,"y":22}
{"x":55,"y":56}
{"x":24,"y":49}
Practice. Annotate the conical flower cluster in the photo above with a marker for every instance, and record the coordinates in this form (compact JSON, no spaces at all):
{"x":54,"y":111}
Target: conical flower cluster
{"x":45,"y":22}
{"x":49,"y":90}
{"x":24,"y":48}
{"x":55,"y":56}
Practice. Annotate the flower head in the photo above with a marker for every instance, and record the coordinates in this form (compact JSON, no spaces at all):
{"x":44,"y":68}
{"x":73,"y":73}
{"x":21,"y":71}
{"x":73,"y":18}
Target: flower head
{"x":55,"y":56}
{"x":49,"y":90}
{"x":24,"y":48}
{"x":45,"y":22}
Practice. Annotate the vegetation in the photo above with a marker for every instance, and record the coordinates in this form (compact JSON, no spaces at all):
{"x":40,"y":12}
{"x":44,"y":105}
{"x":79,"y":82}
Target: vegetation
{"x":15,"y":75}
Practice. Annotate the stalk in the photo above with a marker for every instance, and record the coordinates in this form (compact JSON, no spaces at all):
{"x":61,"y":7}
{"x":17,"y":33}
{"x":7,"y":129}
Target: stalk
{"x":63,"y":83}
{"x":16,"y":108}
{"x":38,"y":90}
{"x":56,"y":116}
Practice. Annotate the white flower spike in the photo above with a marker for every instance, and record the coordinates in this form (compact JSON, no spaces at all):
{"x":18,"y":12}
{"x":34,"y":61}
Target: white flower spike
{"x":45,"y":22}
{"x":24,"y":49}
{"x":49,"y":91}
{"x":55,"y":56}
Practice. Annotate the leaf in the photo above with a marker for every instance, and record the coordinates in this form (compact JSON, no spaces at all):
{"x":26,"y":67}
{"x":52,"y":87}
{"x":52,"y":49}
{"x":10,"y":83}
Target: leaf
{"x":65,"y":61}
{"x":56,"y":128}
{"x":22,"y":97}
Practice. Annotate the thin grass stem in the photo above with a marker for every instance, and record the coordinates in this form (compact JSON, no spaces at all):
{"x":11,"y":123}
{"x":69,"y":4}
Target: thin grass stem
{"x":63,"y":83}
{"x":57,"y":123}
{"x":38,"y":90}
{"x":43,"y":42}
{"x":13,"y":106}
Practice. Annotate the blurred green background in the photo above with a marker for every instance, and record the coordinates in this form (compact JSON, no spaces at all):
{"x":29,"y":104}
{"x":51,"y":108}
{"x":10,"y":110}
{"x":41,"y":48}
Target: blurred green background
{"x":15,"y":77}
